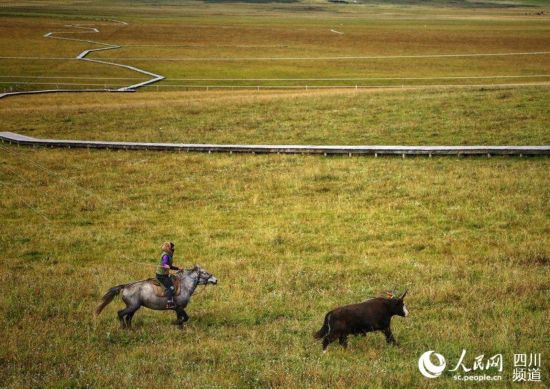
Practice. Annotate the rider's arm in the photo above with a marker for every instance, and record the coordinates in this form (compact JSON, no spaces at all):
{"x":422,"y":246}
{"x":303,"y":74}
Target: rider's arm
{"x":166,"y":263}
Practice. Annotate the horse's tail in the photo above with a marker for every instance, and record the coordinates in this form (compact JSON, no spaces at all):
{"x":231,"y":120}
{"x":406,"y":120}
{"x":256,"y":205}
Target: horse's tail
{"x":325,"y":329}
{"x":108,"y":297}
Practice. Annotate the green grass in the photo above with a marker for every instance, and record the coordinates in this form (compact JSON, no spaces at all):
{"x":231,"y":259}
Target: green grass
{"x":412,"y":117}
{"x":289,"y":237}
{"x":211,"y":32}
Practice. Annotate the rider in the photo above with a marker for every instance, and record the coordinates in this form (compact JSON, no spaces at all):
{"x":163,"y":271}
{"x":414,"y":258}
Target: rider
{"x":163,"y":272}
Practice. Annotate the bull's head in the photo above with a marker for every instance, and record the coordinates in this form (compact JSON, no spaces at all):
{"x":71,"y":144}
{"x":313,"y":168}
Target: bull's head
{"x":401,"y":307}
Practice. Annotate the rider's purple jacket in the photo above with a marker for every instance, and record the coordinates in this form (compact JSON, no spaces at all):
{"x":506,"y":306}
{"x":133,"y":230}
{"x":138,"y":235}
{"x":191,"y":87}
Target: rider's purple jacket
{"x":165,"y":263}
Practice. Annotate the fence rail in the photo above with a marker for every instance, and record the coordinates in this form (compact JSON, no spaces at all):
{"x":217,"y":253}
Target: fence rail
{"x":403,"y":151}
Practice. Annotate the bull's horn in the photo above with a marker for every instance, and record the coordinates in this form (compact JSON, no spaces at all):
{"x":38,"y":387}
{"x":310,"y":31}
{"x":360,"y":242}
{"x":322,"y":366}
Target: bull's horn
{"x":403,"y":295}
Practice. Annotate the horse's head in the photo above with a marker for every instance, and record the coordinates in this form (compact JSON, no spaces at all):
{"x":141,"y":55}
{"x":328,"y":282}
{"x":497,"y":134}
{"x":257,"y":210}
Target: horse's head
{"x":204,"y":277}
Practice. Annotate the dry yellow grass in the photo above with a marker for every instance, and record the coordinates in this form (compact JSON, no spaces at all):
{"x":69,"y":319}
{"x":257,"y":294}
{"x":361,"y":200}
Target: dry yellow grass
{"x":220,"y":31}
{"x":437,"y":116}
{"x":289,"y":237}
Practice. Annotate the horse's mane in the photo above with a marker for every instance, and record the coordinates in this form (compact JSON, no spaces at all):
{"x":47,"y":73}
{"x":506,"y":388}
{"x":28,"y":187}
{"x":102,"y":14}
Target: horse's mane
{"x":192,"y":269}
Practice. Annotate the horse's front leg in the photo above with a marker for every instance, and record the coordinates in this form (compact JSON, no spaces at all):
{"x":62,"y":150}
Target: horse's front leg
{"x":185,"y":316}
{"x":181,"y":317}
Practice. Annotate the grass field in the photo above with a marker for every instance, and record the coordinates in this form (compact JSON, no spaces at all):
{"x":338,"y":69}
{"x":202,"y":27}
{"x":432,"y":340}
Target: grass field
{"x":196,"y":44}
{"x":460,"y":117}
{"x":289,"y":237}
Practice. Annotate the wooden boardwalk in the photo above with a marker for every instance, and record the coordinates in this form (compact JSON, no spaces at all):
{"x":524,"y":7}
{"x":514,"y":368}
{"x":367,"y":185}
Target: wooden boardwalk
{"x":83,"y":56}
{"x":23,"y":140}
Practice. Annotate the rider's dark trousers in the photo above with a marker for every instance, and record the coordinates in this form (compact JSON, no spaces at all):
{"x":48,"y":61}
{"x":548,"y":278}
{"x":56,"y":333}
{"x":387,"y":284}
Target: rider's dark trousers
{"x":168,"y":284}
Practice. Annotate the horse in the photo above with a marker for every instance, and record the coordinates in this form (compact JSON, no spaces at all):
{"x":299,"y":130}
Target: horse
{"x":142,"y":293}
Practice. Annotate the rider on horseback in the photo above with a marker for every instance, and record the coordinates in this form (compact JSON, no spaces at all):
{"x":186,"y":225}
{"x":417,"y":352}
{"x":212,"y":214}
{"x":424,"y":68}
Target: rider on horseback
{"x":163,"y":272}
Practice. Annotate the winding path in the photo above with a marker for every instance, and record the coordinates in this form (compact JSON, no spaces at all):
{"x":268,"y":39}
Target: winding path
{"x":83,"y":56}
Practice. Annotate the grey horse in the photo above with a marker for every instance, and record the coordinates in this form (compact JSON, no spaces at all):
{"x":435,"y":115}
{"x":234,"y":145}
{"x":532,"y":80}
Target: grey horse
{"x":142,"y":293}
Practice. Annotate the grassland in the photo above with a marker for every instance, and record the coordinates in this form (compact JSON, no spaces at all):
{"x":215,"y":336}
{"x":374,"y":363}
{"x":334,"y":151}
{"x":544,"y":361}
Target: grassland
{"x":271,"y":45}
{"x":289,"y":237}
{"x":465,"y":117}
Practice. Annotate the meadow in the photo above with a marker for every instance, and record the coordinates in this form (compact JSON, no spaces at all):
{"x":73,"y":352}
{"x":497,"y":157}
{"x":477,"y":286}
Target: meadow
{"x":199,"y":45}
{"x":497,"y":116}
{"x":289,"y":237}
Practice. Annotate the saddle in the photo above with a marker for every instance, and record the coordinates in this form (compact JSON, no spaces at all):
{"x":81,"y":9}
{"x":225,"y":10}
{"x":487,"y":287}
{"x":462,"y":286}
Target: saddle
{"x":160,"y":290}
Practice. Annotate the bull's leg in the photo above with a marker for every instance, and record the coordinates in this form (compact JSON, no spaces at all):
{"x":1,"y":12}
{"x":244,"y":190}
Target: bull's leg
{"x":331,"y":337}
{"x":343,"y":340}
{"x":389,"y":336}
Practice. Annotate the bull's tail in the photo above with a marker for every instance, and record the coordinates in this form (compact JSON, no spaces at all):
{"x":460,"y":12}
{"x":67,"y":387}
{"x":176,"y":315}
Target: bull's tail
{"x":325,"y":329}
{"x":108,"y":297}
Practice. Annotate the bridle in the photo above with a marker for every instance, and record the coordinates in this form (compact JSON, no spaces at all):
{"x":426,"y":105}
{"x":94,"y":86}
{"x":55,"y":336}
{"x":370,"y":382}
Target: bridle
{"x":197,"y":283}
{"x":198,"y":280}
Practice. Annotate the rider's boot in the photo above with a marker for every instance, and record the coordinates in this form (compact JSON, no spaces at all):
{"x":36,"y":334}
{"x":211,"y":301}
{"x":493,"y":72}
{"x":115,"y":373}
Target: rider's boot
{"x":170,"y":304}
{"x":170,"y":294}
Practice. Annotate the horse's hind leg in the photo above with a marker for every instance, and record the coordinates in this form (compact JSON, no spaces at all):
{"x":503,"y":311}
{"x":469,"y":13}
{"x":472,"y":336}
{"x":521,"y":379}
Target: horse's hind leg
{"x":129,"y":317}
{"x":125,"y":316}
{"x":121,"y":315}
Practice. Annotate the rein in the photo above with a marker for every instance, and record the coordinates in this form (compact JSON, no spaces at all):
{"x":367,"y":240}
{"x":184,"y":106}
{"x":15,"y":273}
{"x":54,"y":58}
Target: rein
{"x":199,"y":292}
